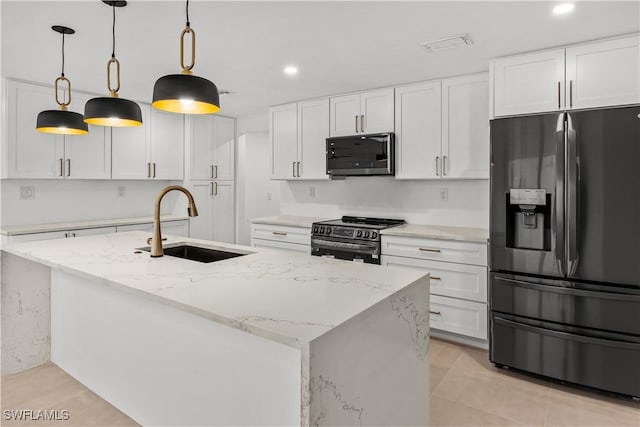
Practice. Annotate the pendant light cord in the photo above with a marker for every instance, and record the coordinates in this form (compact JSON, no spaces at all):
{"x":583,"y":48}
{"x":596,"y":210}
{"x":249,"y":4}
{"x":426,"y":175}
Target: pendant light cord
{"x":62,"y":73}
{"x":187,"y":7}
{"x":113,"y":32}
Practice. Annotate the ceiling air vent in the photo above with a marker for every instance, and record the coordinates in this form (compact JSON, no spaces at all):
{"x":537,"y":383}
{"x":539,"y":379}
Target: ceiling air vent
{"x":447,"y":43}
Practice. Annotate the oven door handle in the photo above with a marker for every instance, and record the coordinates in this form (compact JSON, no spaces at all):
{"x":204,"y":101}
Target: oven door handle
{"x":330,"y":244}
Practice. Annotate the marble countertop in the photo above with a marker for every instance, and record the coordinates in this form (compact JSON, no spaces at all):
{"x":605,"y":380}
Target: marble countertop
{"x":61,"y":226}
{"x":288,"y":220}
{"x":286,"y":297}
{"x":466,"y":234}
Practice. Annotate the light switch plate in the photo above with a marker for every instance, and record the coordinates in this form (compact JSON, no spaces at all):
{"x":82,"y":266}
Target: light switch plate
{"x":444,"y":194}
{"x":27,"y":192}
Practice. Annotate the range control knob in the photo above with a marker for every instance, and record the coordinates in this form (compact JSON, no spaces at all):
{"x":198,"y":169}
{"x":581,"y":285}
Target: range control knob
{"x":321,"y":230}
{"x":374,"y":235}
{"x":359,"y":233}
{"x":315,"y":229}
{"x":328,"y":230}
{"x":366,"y":234}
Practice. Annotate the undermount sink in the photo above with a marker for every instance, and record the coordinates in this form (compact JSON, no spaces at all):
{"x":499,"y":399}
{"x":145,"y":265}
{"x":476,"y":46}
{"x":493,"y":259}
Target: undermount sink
{"x":195,"y":253}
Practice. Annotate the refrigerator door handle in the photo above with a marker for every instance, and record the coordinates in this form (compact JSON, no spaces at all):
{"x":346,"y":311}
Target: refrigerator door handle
{"x":557,"y":222}
{"x":573,"y":180}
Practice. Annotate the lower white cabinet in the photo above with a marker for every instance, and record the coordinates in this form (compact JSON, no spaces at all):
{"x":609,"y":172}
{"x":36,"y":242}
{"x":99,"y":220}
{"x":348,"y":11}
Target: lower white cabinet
{"x":458,"y":282}
{"x":289,"y":238}
{"x":216,"y":212}
{"x":50,"y":235}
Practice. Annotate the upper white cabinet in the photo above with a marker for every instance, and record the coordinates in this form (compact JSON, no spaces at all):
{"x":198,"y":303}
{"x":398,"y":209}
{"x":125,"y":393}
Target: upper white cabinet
{"x":588,"y":75}
{"x":33,"y":154}
{"x":366,"y":112}
{"x":298,"y":132}
{"x":442,"y":129}
{"x":212,"y":142}
{"x":418,"y":131}
{"x":604,"y":73}
{"x":529,"y":83}
{"x":154,"y":150}
{"x":465,"y":128}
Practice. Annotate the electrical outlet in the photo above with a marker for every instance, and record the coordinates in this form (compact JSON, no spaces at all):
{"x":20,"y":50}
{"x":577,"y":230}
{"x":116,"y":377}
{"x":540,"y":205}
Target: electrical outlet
{"x":121,"y":191}
{"x":268,"y":196}
{"x":27,"y":192}
{"x":312,"y":191}
{"x":444,"y":194}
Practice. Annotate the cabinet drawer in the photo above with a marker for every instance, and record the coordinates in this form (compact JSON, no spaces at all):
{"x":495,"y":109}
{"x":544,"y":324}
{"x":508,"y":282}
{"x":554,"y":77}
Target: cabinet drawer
{"x":437,"y":250}
{"x":448,"y":279}
{"x":457,"y":316}
{"x":273,"y":244}
{"x":299,"y":235}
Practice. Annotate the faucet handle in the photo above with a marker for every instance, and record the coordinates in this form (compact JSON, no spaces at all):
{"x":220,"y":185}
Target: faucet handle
{"x":151,"y":238}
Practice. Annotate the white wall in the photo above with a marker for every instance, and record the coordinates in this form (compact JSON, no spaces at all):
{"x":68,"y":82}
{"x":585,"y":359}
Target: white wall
{"x":416,"y":202}
{"x":62,"y":201}
{"x":256,"y":194}
{"x":253,"y":123}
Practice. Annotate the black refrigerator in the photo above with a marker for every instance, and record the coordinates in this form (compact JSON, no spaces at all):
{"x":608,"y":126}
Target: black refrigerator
{"x":564,"y":279}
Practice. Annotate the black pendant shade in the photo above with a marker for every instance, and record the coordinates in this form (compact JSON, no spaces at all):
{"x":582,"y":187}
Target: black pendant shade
{"x":184,"y":93}
{"x":112,"y":111}
{"x":61,"y":122}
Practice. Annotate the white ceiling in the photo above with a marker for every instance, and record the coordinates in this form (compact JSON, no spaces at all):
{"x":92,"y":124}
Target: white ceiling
{"x":244,"y":46}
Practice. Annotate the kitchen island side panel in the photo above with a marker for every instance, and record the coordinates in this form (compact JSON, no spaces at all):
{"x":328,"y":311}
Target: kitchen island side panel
{"x":25,"y":312}
{"x":373,"y":370}
{"x":164,"y":366}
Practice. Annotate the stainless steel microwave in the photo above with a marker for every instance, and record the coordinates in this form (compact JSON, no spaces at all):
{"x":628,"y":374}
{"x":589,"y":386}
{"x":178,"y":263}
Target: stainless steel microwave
{"x":359,"y":155}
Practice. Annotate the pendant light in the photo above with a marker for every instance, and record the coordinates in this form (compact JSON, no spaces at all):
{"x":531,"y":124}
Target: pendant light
{"x":62,"y":121}
{"x":112,"y":110}
{"x":186,"y":93}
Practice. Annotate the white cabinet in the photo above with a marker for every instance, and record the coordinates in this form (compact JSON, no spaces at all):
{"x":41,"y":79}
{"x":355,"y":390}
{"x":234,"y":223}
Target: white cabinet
{"x":442,"y":129}
{"x":418,"y":131}
{"x":603,"y":73}
{"x":62,"y":234}
{"x":154,"y":150}
{"x":465,"y":128}
{"x":33,"y":154}
{"x":212,"y":147}
{"x":298,"y":132}
{"x":529,"y":83}
{"x":588,"y":75}
{"x":366,"y":112}
{"x":216,"y":218}
{"x":458,"y":282}
{"x":297,"y":239}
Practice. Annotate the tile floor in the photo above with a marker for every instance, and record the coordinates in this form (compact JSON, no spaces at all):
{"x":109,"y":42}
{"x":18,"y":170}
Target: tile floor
{"x":466,"y":390}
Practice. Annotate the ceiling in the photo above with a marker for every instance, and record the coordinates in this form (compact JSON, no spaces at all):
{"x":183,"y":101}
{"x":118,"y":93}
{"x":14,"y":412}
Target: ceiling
{"x":243,"y":46}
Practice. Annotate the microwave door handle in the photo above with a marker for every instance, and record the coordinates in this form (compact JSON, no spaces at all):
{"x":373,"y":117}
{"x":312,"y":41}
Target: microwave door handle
{"x":557,"y":222}
{"x":573,"y":180}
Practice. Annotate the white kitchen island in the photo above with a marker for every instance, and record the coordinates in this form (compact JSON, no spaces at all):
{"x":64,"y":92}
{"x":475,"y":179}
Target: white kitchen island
{"x":269,"y":338}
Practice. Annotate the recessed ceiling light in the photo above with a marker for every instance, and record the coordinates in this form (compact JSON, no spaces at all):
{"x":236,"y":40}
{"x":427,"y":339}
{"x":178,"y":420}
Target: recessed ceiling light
{"x":290,"y":70}
{"x":563,"y":8}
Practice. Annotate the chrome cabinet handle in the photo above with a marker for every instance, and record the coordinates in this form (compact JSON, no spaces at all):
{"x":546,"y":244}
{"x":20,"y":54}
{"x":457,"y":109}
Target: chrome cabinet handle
{"x":211,"y":175}
{"x":444,"y":165}
{"x":148,"y":170}
{"x":429,"y":250}
{"x":68,"y":167}
{"x":298,"y":170}
{"x":437,"y":165}
{"x":211,"y":191}
{"x":215,"y":184}
{"x":571,"y":93}
{"x":61,"y":167}
{"x":356,"y":117}
{"x":434,"y":278}
{"x":73,"y":234}
{"x":437,"y":313}
{"x":559,"y":106}
{"x":293,"y":169}
{"x":362,"y":123}
{"x":215,"y":168}
{"x":154,"y":170}
{"x":278,"y":233}
{"x":66,"y":235}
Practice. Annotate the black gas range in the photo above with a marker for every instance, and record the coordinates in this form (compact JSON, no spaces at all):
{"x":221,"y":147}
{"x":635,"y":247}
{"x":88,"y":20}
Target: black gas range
{"x":352,"y":238}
